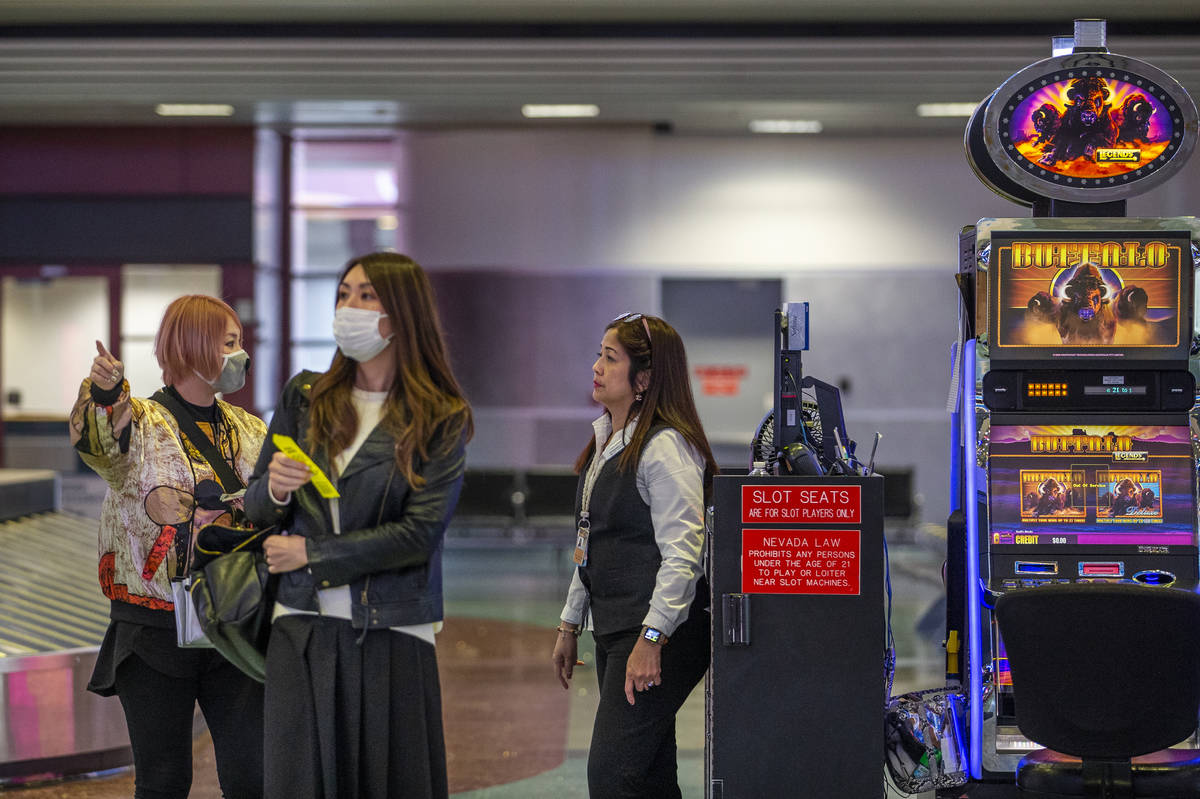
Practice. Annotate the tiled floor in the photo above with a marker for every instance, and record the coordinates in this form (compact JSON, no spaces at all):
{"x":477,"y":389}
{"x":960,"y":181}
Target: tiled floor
{"x":512,"y":732}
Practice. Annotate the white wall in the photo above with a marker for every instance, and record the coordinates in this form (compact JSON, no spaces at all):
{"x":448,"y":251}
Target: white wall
{"x":564,"y":199}
{"x":636,"y":200}
{"x":50,"y":326}
{"x":812,"y":210}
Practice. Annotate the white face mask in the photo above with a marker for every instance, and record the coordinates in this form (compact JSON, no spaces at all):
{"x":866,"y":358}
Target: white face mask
{"x":356,"y":331}
{"x":232,"y":375}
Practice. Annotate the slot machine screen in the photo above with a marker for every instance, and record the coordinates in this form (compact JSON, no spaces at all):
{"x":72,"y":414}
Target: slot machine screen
{"x":1089,"y":300}
{"x":1087,"y":488}
{"x":1089,"y":483}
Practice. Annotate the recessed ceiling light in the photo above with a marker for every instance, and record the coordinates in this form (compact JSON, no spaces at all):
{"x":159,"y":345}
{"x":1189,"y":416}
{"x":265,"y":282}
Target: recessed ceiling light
{"x":193,"y":110}
{"x":786,"y":126}
{"x":570,"y":111}
{"x":946,"y":109}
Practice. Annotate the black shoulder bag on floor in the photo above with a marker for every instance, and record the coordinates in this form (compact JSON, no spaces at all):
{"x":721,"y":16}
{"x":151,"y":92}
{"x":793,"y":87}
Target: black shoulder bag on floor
{"x":227,"y":590}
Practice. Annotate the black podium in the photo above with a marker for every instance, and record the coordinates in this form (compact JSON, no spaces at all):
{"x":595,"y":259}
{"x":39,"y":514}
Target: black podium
{"x":796,"y":689}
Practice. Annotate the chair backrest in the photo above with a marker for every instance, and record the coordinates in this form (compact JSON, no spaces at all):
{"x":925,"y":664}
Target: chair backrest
{"x":486,"y":493}
{"x":899,"y":494}
{"x":1103,"y":670}
{"x":550,"y":492}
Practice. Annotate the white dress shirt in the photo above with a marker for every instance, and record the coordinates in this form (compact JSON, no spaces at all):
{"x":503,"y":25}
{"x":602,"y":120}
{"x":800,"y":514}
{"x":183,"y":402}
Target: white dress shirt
{"x":670,"y":479}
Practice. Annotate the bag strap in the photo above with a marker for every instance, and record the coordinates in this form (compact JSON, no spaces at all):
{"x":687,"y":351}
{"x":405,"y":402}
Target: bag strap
{"x":225,"y":473}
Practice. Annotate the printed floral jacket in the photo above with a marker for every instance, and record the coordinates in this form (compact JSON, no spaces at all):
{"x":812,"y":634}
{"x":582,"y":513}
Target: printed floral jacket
{"x":158,"y":493}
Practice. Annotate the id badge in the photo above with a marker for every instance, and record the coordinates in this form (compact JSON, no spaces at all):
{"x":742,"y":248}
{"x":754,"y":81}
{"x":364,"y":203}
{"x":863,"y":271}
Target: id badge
{"x":581,"y":545}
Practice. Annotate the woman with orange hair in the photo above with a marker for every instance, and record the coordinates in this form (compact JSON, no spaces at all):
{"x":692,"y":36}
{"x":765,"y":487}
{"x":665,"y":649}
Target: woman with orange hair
{"x":161,"y":490}
{"x":353,"y":703}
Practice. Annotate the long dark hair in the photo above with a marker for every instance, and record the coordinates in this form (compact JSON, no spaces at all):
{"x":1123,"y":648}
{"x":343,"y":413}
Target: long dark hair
{"x":667,"y":399}
{"x":424,"y":401}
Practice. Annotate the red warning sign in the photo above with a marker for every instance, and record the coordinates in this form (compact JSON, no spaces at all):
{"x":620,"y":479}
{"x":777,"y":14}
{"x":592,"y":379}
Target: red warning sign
{"x":801,"y":561}
{"x":720,"y":381}
{"x":819,"y":504}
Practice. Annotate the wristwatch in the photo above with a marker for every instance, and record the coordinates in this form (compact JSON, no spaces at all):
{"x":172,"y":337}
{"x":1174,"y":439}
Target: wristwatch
{"x":654,"y":636}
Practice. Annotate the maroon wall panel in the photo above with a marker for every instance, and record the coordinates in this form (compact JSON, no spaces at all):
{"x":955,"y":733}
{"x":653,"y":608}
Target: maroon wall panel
{"x":159,"y":161}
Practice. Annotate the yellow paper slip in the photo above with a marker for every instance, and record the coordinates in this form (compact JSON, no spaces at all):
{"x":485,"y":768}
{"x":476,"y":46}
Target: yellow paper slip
{"x":289,"y":447}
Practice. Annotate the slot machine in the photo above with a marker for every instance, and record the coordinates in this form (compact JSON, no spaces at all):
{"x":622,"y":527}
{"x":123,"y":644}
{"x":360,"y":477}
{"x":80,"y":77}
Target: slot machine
{"x":1075,"y":429}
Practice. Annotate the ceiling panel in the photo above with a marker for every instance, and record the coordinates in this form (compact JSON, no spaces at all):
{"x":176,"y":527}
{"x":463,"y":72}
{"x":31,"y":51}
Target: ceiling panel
{"x":852,"y":84}
{"x":473,"y":11}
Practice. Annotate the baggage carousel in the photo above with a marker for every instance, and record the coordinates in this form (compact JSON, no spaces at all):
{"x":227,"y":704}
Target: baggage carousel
{"x":52,"y":620}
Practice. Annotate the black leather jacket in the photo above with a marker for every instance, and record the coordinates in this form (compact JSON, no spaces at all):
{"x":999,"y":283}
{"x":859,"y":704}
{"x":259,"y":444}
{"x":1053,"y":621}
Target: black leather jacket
{"x":390,"y":549}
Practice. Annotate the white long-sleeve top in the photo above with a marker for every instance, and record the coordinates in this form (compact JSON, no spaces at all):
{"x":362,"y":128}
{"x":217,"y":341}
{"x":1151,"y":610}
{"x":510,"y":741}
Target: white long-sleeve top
{"x":670,"y":479}
{"x":335,"y":602}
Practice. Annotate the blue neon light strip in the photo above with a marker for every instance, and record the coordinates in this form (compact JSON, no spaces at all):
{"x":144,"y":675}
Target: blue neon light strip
{"x":974,"y":665}
{"x":956,"y":449}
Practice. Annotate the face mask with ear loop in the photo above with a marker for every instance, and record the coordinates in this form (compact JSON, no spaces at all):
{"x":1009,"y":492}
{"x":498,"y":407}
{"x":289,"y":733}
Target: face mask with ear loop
{"x":356,"y":331}
{"x":232,"y":375}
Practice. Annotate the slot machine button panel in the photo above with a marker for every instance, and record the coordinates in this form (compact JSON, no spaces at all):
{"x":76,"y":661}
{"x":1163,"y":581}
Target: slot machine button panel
{"x":1154,"y":577}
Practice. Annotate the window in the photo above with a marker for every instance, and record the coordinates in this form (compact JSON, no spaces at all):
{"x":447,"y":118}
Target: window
{"x":146,"y":291}
{"x":349,"y":198}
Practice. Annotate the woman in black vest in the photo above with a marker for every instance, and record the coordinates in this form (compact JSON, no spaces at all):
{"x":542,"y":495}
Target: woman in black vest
{"x":644,"y":479}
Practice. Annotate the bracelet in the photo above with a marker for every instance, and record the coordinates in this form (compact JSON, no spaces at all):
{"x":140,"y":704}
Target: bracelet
{"x":575,"y":632}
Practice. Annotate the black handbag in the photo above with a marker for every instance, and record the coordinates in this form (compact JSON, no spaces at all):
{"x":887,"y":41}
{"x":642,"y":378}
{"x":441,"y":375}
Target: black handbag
{"x":234,"y":594}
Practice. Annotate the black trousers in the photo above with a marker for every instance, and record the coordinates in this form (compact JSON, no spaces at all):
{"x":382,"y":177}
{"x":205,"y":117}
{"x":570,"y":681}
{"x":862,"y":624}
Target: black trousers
{"x":158,"y":712}
{"x":632,"y":755}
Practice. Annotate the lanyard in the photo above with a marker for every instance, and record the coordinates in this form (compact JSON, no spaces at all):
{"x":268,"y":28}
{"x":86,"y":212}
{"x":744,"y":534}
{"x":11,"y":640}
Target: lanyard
{"x":589,"y":483}
{"x":592,"y":474}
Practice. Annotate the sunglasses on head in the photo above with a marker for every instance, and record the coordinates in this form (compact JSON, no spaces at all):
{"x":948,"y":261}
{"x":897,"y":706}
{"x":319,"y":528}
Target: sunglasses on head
{"x":633,"y":317}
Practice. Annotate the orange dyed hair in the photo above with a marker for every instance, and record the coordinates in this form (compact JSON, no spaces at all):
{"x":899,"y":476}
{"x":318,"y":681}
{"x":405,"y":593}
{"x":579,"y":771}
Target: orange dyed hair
{"x":191,"y":336}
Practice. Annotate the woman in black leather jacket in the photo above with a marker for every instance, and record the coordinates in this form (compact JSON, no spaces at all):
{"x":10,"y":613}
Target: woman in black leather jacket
{"x":353,"y":704}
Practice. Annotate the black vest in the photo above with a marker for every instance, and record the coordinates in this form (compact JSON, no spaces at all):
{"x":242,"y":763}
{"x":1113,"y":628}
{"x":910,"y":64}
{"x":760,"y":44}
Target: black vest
{"x":623,"y":557}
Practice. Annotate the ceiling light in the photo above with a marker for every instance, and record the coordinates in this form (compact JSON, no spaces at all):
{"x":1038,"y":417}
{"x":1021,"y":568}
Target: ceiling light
{"x":786,"y":126}
{"x":946,"y":109}
{"x":193,"y":110}
{"x":560,"y":111}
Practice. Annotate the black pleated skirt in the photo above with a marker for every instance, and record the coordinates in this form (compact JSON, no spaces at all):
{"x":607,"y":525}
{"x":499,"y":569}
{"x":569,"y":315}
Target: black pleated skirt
{"x":349,"y":720}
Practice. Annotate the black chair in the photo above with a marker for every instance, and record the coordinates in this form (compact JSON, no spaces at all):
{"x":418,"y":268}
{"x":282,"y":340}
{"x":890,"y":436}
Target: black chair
{"x":550,"y":493}
{"x":899,"y":492}
{"x":1104,"y":675}
{"x":486,"y":499}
